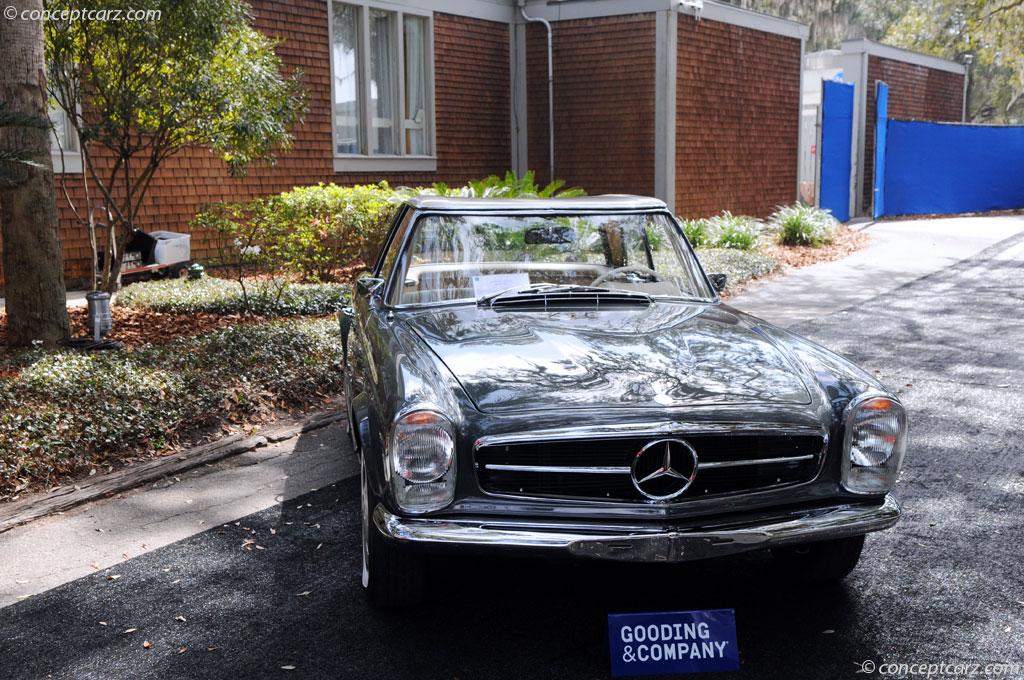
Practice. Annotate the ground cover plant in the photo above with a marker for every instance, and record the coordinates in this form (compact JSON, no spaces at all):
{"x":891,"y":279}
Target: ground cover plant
{"x":740,"y":265}
{"x":211,"y":295}
{"x":64,"y":413}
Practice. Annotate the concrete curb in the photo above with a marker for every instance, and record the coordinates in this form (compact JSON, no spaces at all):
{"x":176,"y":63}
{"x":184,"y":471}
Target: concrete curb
{"x":101,"y":486}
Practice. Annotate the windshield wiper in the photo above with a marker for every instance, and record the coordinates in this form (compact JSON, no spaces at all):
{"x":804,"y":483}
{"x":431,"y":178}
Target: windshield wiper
{"x":553,"y":288}
{"x":525,"y":290}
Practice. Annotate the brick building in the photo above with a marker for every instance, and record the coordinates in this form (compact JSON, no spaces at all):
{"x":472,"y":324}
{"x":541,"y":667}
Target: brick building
{"x":921,"y":87}
{"x":697,"y":103}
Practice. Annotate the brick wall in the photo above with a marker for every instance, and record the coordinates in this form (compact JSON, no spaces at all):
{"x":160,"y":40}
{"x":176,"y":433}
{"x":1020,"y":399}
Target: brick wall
{"x":915,"y":93}
{"x":604,"y":103}
{"x":471,"y":64}
{"x":738,"y":93}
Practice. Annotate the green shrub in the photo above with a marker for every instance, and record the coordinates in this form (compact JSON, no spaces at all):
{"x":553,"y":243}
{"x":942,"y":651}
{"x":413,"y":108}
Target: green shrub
{"x":740,"y":265}
{"x":311,"y":231}
{"x":734,"y":231}
{"x":220,"y":296}
{"x":698,"y":232}
{"x":329,"y":226}
{"x":64,"y":411}
{"x":802,"y":225}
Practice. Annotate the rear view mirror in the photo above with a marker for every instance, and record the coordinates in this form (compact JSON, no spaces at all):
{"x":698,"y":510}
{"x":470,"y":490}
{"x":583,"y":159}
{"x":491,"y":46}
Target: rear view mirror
{"x":549,"y":235}
{"x":719,"y":281}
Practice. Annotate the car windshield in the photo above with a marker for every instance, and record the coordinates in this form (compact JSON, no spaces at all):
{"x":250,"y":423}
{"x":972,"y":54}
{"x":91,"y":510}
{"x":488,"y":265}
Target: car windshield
{"x":467,"y":257}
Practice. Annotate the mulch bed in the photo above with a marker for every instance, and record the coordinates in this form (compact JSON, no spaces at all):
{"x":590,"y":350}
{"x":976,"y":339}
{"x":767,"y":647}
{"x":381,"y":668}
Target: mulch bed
{"x":845,"y":242}
{"x":134,"y":327}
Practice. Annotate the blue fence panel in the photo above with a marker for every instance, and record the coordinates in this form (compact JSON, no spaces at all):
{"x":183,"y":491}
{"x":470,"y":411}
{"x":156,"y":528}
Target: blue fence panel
{"x":836,"y":140}
{"x":881,"y":137}
{"x":949,"y":168}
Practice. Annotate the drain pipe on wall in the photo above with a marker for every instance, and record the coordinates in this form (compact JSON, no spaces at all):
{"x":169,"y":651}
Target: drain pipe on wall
{"x":551,"y":90}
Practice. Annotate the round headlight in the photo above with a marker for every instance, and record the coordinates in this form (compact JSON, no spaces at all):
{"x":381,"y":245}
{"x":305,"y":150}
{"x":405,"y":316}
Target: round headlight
{"x":422,"y":446}
{"x":874,"y":445}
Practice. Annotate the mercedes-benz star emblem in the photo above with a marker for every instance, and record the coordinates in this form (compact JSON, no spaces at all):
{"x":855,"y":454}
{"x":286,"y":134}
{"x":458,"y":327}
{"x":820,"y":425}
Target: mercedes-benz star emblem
{"x":664,"y":469}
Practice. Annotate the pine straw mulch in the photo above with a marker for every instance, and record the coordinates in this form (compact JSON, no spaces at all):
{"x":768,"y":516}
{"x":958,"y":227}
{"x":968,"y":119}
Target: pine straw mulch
{"x":845,"y":242}
{"x":134,"y":327}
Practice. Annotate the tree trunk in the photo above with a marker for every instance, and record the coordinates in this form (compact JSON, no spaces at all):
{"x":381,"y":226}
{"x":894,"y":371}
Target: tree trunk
{"x":32,"y":263}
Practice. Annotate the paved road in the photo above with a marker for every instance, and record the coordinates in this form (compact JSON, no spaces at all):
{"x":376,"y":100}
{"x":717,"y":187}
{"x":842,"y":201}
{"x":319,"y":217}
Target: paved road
{"x":945,"y":586}
{"x":900,"y":251}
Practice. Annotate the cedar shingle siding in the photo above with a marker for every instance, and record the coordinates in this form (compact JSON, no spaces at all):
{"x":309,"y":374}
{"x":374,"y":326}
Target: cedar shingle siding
{"x":738,"y":94}
{"x":604,"y":102}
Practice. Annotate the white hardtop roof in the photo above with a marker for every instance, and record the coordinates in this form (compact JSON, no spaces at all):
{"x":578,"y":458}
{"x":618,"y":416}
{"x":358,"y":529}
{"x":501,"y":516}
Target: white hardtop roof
{"x":607,"y":202}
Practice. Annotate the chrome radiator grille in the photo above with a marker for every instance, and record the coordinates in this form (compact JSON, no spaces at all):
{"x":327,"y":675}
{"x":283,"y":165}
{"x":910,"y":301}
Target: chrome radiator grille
{"x":601,"y":469}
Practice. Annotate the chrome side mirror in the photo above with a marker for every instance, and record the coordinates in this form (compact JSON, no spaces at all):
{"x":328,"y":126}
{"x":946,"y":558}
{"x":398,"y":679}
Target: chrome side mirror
{"x":369,"y":286}
{"x":718,"y":281}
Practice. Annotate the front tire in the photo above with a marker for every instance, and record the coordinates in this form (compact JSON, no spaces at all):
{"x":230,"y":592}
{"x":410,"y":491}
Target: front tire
{"x":823,"y":561}
{"x":391,"y":577}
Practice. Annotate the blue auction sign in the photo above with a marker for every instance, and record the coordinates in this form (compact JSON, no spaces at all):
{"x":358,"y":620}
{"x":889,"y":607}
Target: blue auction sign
{"x":673,"y":642}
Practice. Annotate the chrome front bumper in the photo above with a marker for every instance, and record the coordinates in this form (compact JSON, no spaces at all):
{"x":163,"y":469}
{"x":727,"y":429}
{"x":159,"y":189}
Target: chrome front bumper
{"x":637,"y":544}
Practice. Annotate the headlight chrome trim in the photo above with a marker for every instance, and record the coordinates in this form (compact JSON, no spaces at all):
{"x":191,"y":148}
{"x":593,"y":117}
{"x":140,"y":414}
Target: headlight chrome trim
{"x":899,"y":446}
{"x":400,"y":485}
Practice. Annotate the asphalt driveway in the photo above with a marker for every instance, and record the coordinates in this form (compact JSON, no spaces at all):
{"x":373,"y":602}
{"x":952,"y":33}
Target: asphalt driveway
{"x":276,"y":593}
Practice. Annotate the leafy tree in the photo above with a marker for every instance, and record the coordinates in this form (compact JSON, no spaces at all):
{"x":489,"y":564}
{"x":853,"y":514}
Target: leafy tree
{"x":832,"y":21}
{"x":185,"y":74}
{"x":992,"y":32}
{"x":33,"y":269}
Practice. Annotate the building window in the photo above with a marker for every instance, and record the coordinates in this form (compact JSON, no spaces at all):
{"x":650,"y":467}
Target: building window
{"x":63,"y":136}
{"x":382,"y":88}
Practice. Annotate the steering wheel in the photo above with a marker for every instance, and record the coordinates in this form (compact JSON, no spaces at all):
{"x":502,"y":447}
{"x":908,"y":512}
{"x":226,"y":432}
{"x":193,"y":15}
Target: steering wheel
{"x":628,"y":268}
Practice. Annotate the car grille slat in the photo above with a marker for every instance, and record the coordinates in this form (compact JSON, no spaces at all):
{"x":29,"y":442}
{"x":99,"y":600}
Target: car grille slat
{"x":599,"y":469}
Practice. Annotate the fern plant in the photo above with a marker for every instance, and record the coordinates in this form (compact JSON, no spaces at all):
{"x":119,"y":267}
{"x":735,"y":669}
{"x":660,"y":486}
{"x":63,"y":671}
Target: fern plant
{"x":802,"y":225}
{"x":509,"y":186}
{"x":698,"y":232}
{"x":734,"y":231}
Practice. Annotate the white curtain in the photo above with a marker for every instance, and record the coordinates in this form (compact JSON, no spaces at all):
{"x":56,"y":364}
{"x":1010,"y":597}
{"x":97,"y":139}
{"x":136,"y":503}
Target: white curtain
{"x":415,"y":30}
{"x":382,"y":81}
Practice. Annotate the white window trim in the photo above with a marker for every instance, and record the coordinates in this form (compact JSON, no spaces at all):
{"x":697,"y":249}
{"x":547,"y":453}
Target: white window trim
{"x":377,"y":162}
{"x":72,"y":164}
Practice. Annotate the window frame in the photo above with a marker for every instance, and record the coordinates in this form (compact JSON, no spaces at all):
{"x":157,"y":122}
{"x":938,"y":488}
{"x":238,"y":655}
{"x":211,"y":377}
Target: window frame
{"x":401,"y":161}
{"x":392,"y":287}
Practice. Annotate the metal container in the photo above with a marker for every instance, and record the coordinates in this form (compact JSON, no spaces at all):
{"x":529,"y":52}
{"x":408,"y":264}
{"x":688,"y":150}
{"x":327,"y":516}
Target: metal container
{"x":99,"y":320}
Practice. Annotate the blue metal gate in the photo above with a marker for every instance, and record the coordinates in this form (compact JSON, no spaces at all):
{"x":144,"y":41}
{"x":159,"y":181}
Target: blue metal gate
{"x":836,"y":145}
{"x":881,"y":140}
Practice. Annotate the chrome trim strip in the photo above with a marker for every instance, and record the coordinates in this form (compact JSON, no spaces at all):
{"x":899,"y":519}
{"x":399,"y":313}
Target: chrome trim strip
{"x":587,"y":470}
{"x":631,"y":543}
{"x":650,"y":429}
{"x":614,"y":470}
{"x":756,"y":461}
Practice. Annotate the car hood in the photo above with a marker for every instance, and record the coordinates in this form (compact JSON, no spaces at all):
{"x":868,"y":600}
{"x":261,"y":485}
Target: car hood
{"x":669,"y":354}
